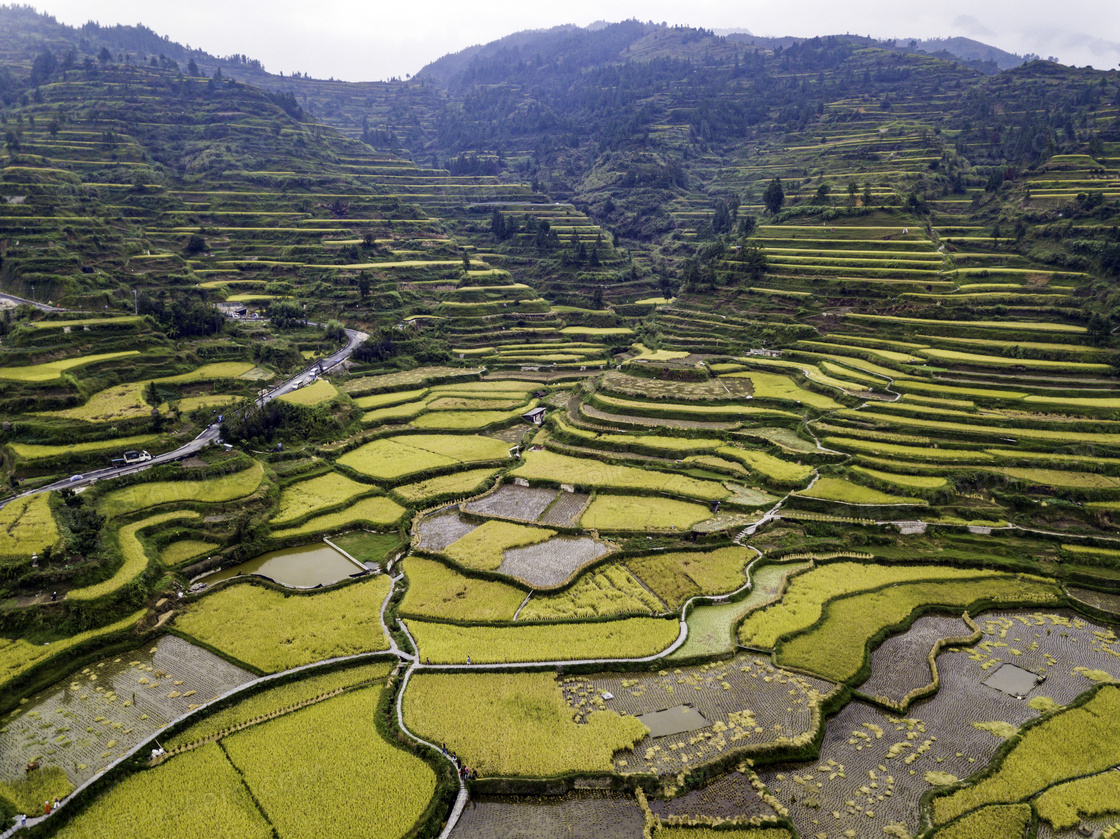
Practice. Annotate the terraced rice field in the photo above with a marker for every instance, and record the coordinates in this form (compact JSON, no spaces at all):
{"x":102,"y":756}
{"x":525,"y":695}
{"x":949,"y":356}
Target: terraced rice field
{"x":461,"y":483}
{"x":959,"y":373}
{"x":375,"y":512}
{"x":52,"y":370}
{"x":618,"y":639}
{"x":901,"y":663}
{"x":395,"y":457}
{"x":142,"y":496}
{"x":515,"y":724}
{"x":512,"y":502}
{"x":27,"y":526}
{"x":551,"y":563}
{"x":639,"y":512}
{"x":289,"y":630}
{"x":329,"y":490}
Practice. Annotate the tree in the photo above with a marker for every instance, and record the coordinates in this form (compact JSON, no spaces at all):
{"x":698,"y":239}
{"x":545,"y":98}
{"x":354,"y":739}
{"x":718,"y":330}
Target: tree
{"x":721,"y":219}
{"x":192,"y":68}
{"x":774,"y":196}
{"x":195,"y":245}
{"x":286,"y":314}
{"x":151,"y":395}
{"x":747,"y":225}
{"x":867,"y":195}
{"x":104,"y":56}
{"x":823,"y":192}
{"x":363,"y":285}
{"x":43,"y":67}
{"x":498,"y":225}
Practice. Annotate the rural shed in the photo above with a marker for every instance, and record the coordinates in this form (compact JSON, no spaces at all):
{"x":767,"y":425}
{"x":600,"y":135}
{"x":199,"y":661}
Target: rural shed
{"x":535,"y":416}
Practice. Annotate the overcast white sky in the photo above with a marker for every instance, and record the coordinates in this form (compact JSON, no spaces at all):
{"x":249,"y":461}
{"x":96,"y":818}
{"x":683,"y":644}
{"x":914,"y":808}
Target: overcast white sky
{"x":362,"y":40}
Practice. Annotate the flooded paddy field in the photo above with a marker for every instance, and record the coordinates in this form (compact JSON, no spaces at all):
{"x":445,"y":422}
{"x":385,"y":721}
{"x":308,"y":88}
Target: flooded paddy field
{"x":305,"y":566}
{"x":83,"y":723}
{"x":711,"y":628}
{"x":543,"y":565}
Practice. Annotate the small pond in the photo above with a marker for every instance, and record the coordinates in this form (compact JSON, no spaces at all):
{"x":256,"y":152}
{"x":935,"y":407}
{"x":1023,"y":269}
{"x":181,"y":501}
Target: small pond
{"x":305,"y":566}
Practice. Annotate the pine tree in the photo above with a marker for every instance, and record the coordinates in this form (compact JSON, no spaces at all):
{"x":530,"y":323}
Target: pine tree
{"x":774,"y":196}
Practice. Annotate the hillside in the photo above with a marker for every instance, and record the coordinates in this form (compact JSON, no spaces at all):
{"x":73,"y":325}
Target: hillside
{"x":636,"y":428}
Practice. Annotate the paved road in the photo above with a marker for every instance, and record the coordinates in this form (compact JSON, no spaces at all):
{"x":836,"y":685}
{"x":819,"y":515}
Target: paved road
{"x":43,"y":307}
{"x":210,"y":434}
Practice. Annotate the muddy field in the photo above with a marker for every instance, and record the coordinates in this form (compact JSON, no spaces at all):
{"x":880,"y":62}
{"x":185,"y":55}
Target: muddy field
{"x":83,"y":723}
{"x":727,"y":797}
{"x":586,"y":815}
{"x":748,"y":701}
{"x":901,"y":663}
{"x":552,"y":563}
{"x":439,"y":530}
{"x":510,"y":501}
{"x":566,"y":509}
{"x":874,"y":766}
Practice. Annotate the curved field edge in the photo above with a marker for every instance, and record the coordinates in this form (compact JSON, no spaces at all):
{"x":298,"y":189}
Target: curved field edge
{"x":1082,"y":738}
{"x":803,"y":601}
{"x":136,"y":559}
{"x":903,"y":705}
{"x":854,"y":624}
